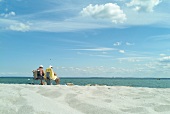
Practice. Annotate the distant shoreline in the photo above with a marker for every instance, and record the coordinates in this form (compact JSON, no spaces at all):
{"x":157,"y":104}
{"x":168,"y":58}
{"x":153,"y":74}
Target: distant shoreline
{"x":116,"y":81}
{"x":89,"y":77}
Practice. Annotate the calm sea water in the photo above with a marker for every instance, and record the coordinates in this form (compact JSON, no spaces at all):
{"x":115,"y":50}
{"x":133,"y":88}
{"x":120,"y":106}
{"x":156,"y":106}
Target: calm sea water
{"x":134,"y":82}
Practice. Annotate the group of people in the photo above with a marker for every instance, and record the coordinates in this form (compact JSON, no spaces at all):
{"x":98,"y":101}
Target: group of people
{"x":42,"y":73}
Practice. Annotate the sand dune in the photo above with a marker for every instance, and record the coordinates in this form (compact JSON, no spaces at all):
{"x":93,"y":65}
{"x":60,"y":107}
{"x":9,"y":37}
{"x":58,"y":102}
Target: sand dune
{"x":61,"y":99}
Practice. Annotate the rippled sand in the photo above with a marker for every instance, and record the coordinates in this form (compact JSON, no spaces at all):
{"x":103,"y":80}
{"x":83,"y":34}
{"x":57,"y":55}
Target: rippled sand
{"x":60,"y":99}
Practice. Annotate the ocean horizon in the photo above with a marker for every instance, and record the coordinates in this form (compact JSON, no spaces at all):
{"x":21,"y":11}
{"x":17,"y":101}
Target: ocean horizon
{"x":82,"y":81}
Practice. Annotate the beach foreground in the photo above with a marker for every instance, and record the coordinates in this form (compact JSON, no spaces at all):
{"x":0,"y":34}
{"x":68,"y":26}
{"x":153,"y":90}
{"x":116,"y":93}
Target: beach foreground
{"x":61,"y":99}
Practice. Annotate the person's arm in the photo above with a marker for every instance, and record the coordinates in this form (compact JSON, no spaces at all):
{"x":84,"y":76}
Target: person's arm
{"x":43,"y":72}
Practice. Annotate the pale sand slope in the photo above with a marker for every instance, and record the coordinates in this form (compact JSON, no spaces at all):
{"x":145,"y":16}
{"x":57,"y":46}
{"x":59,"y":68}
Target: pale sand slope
{"x":43,"y":99}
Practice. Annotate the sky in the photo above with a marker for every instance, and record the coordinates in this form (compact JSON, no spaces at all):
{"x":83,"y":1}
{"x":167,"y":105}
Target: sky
{"x":86,"y":38}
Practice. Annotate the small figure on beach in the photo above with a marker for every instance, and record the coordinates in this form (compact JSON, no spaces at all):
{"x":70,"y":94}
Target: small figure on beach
{"x":57,"y":80}
{"x":52,"y":75}
{"x":40,"y":73}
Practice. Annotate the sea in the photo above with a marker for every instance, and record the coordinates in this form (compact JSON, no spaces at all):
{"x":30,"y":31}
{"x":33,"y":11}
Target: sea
{"x":133,"y":82}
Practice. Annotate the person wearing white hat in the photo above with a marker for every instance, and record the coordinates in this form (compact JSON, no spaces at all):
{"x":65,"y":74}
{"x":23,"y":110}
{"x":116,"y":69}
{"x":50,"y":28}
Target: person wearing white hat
{"x":40,"y":73}
{"x":41,"y":66}
{"x":57,"y":79}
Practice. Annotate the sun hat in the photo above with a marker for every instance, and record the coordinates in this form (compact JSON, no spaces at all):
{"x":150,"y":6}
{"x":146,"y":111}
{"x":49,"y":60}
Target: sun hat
{"x":41,"y":66}
{"x":50,"y":66}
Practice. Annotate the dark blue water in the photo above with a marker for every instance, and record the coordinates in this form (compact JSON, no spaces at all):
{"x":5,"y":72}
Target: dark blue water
{"x":134,"y":82}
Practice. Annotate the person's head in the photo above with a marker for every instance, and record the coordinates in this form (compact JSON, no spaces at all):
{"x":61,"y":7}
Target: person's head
{"x":41,"y":66}
{"x":50,"y":66}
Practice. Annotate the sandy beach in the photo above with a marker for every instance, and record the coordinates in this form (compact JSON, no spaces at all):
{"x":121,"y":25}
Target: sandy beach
{"x":62,"y":99}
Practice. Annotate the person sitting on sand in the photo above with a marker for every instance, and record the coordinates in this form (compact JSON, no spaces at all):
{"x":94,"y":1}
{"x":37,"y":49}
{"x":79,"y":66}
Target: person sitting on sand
{"x":51,"y":75}
{"x":57,"y":79}
{"x":40,"y":73}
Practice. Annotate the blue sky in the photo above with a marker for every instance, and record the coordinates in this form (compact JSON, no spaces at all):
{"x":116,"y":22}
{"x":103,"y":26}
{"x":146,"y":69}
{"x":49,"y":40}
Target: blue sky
{"x":85,"y":38}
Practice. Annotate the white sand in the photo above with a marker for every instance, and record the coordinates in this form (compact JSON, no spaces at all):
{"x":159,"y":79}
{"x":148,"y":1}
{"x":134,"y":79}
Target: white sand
{"x":43,"y":99}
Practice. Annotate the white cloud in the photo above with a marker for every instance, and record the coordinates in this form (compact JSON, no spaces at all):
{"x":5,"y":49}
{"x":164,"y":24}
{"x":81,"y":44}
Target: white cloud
{"x":107,"y":11}
{"x":100,"y":53}
{"x":143,"y":5}
{"x":165,"y":59}
{"x":96,"y":49}
{"x":122,"y":51}
{"x":130,"y":59}
{"x":8,"y":14}
{"x":120,"y":43}
{"x":62,"y":26}
{"x":101,"y":71}
{"x":159,"y":38}
{"x":117,"y":44}
{"x":19,"y":27}
{"x":162,"y":55}
{"x":48,"y":26}
{"x":135,"y":59}
{"x":129,"y":44}
{"x":102,"y":12}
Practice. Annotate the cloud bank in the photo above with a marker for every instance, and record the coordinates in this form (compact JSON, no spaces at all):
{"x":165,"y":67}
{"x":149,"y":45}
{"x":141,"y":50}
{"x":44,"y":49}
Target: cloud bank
{"x":19,"y":27}
{"x":8,"y":14}
{"x":104,"y":13}
{"x":143,"y":5}
{"x":107,"y":11}
{"x":165,"y":59}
